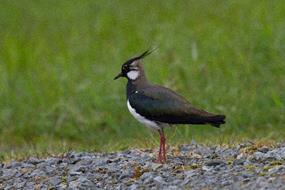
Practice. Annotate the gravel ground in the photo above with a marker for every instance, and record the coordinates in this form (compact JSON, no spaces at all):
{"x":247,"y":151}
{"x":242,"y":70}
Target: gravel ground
{"x":245,"y":166}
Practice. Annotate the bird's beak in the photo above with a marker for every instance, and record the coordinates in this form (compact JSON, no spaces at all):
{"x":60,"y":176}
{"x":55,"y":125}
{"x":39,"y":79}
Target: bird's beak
{"x":118,"y":76}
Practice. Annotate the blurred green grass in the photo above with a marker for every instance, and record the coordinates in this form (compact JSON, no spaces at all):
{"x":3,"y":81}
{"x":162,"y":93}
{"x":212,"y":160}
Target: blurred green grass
{"x":58,"y":60}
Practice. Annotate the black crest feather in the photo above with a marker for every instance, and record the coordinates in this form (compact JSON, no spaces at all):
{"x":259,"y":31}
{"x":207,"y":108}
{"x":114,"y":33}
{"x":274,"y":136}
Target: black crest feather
{"x":146,"y":53}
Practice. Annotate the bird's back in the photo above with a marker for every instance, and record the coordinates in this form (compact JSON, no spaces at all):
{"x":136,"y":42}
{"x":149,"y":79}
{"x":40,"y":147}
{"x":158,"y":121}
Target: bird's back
{"x":163,"y":105}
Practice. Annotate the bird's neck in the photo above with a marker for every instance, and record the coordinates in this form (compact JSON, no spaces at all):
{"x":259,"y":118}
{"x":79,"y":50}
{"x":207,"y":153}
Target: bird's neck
{"x":135,"y":85}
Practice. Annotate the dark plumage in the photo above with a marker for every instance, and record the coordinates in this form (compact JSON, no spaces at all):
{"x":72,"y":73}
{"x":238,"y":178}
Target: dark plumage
{"x":161,"y":104}
{"x":156,"y":106}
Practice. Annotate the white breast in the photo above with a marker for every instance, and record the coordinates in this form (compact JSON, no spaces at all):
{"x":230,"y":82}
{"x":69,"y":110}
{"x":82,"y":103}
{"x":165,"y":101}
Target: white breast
{"x":140,"y":118}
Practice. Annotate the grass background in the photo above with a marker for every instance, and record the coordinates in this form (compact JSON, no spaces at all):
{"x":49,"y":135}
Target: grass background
{"x":58,"y":60}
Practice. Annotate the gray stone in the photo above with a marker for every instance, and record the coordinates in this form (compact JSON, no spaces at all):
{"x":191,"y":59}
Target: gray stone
{"x":74,"y":173}
{"x":207,"y":168}
{"x":263,"y":149}
{"x":37,"y":172}
{"x":247,"y":175}
{"x":61,"y":186}
{"x":29,"y":185}
{"x":134,"y":169}
{"x":215,"y":163}
{"x":54,"y":181}
{"x":50,"y":170}
{"x":8,"y":173}
{"x":146,"y":175}
{"x":133,"y":187}
{"x":189,"y":174}
{"x":239,"y":162}
{"x":276,"y":169}
{"x":123,"y":176}
{"x":73,"y":184}
{"x":34,"y":161}
{"x":20,"y":185}
{"x":85,"y":183}
{"x":155,"y":166}
{"x":158,"y":180}
{"x":78,"y":168}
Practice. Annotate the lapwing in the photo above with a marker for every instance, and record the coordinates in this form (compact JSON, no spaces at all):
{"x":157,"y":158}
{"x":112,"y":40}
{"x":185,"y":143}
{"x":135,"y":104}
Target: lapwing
{"x":156,"y":106}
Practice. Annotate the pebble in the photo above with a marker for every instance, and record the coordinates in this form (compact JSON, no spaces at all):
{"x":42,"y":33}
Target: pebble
{"x":34,"y":161}
{"x":215,"y":163}
{"x":155,"y":166}
{"x":133,"y":187}
{"x":193,"y":166}
{"x":158,"y":180}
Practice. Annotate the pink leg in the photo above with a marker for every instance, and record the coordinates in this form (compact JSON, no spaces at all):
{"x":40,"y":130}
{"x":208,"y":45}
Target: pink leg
{"x":162,"y":152}
{"x":159,"y":156}
{"x":163,"y":139}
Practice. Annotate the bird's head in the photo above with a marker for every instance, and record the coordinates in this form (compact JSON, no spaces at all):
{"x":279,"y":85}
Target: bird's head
{"x":132,"y":69}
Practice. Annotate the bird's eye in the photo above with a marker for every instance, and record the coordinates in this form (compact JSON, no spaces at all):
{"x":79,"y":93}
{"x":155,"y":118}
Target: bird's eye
{"x":125,"y":67}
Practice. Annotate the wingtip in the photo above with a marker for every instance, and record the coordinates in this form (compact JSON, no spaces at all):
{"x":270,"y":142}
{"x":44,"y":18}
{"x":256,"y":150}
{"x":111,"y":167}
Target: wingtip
{"x":218,"y":120}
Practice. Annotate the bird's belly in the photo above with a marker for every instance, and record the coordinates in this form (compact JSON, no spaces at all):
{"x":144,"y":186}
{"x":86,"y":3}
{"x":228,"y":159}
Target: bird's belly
{"x":141,"y":119}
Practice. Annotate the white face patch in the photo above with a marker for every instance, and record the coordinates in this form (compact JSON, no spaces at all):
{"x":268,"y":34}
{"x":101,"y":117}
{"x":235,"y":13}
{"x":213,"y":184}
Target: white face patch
{"x":133,"y":75}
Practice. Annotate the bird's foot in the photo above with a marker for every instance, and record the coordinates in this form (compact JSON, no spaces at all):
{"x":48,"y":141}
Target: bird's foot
{"x":161,"y":159}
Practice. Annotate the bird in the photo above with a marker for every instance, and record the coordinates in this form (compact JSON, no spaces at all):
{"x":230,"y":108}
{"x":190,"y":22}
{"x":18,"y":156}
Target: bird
{"x":157,"y":107}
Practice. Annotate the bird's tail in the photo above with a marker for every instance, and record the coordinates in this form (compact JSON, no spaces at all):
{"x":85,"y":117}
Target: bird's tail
{"x":217,"y":120}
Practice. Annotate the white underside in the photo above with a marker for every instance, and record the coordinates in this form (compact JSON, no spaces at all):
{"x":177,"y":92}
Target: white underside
{"x":142,"y":119}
